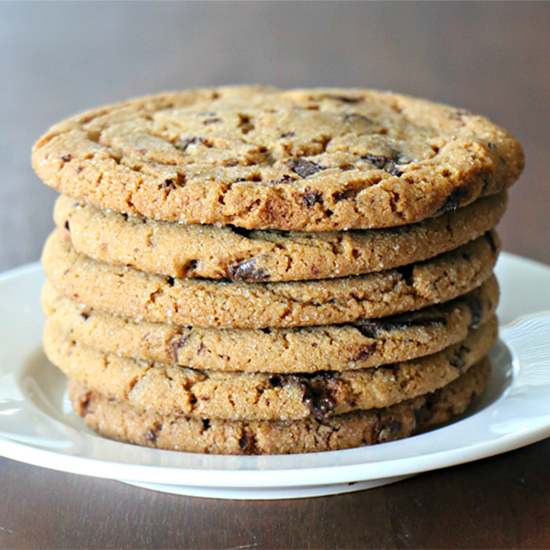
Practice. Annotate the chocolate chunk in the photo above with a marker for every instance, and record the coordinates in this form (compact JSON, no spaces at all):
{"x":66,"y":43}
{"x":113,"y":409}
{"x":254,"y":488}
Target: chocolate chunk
{"x":344,"y":195}
{"x":182,"y":145}
{"x":458,"y":360}
{"x":345,"y":99}
{"x":177,"y":345}
{"x":172,"y":183}
{"x":240,"y":231}
{"x":310,"y":198}
{"x":276,"y":381}
{"x":407,"y":272}
{"x":420,"y":414}
{"x":317,"y":395}
{"x":285,"y":179}
{"x":304,"y":168}
{"x":365,"y":352}
{"x":351,"y":117}
{"x":152,"y":433}
{"x":247,"y":444}
{"x":191,"y":265}
{"x":388,"y":164}
{"x":476,"y":309}
{"x":390,"y":431}
{"x":372,"y":329}
{"x":247,"y":272}
{"x":243,"y":442}
{"x":490,"y":239}
{"x":453,"y":200}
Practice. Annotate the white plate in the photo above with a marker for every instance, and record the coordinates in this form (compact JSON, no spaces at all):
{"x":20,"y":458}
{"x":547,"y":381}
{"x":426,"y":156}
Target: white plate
{"x":38,"y":426}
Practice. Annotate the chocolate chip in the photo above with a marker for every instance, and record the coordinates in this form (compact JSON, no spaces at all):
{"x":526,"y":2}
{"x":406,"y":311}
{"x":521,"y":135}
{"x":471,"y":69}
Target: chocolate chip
{"x":304,"y":168}
{"x":490,"y":239}
{"x":387,"y":164}
{"x":205,"y":424}
{"x":211,"y":121}
{"x":317,"y":395}
{"x":170,"y":281}
{"x":66,"y":226}
{"x":365,"y":352}
{"x":491,"y":145}
{"x":66,"y":158}
{"x":247,"y":272}
{"x":288,"y":134}
{"x":311,"y":198}
{"x":84,"y":315}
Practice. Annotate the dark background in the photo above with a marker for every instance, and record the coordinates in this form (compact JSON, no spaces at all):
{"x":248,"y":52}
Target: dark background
{"x":57,"y":59}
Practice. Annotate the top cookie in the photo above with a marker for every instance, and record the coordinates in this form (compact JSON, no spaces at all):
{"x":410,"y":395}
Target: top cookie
{"x":261,"y":158}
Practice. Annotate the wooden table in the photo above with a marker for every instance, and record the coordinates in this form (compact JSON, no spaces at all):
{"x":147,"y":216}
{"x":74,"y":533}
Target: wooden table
{"x":492,"y":58}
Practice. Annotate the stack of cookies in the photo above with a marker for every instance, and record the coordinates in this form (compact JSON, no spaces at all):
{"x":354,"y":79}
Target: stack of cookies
{"x":253,"y":271}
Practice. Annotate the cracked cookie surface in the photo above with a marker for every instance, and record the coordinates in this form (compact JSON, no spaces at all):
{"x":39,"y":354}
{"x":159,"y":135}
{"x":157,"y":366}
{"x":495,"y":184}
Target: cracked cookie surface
{"x":180,"y":250}
{"x":182,"y":391}
{"x":120,"y":421}
{"x":205,"y":303}
{"x":261,"y":158}
{"x":365,"y":343}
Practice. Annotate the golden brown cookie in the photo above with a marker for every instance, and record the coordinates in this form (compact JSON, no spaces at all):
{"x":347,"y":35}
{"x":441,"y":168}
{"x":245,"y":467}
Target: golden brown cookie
{"x":120,"y":421}
{"x":365,"y":343}
{"x":261,"y":158}
{"x":204,"y":303}
{"x":209,"y":394}
{"x":180,"y":250}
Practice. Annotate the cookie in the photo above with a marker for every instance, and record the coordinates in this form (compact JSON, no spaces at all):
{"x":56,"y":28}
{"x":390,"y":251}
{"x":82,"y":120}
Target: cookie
{"x":179,"y":250}
{"x":210,"y":394}
{"x":365,"y":343}
{"x":204,"y":303}
{"x":261,"y":158}
{"x":120,"y":421}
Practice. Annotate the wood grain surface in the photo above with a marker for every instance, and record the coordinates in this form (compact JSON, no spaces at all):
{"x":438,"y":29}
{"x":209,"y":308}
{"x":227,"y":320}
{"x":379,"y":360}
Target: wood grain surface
{"x":57,"y":59}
